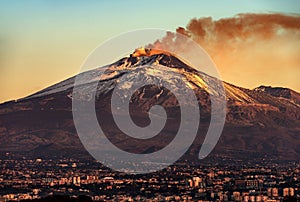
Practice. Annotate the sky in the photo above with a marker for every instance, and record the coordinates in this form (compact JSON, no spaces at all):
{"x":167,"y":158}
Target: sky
{"x":44,"y":42}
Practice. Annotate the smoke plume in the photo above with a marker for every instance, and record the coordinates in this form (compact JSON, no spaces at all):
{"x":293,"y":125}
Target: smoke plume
{"x":248,"y":49}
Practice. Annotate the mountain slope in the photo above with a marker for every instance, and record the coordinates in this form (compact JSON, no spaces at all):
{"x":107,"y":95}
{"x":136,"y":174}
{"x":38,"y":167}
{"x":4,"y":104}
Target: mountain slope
{"x":261,"y":122}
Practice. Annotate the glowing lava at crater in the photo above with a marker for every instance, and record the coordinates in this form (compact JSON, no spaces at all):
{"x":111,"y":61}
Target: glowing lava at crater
{"x":139,"y":52}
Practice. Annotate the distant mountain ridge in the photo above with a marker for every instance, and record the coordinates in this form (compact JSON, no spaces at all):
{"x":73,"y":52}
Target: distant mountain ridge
{"x":280,"y":92}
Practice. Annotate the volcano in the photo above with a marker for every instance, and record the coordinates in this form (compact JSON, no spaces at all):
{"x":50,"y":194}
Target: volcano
{"x":262,"y":122}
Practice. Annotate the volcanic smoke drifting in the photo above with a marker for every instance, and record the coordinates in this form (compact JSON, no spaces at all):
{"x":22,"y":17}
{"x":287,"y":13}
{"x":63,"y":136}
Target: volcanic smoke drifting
{"x":248,"y":49}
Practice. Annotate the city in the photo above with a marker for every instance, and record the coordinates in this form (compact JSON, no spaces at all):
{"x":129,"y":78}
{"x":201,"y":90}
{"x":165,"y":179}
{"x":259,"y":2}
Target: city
{"x":234,"y":180}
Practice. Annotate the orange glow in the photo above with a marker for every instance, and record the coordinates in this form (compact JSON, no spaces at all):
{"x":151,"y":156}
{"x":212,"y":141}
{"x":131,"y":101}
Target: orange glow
{"x":148,"y":52}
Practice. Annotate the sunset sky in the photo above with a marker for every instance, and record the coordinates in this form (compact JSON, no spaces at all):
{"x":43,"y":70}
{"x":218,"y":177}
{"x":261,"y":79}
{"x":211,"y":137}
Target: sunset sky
{"x":44,"y":42}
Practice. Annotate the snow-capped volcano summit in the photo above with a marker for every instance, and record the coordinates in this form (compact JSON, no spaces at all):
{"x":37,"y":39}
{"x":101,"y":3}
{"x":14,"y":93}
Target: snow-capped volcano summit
{"x":142,"y":61}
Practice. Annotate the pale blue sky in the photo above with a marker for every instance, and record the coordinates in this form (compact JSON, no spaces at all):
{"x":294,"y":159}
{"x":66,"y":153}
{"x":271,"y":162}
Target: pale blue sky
{"x":47,"y":40}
